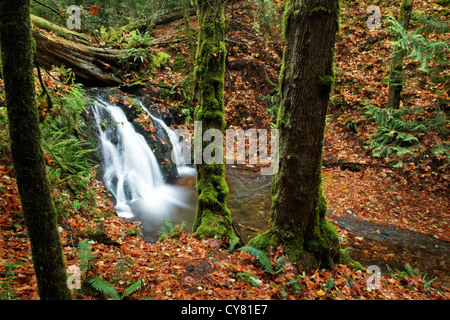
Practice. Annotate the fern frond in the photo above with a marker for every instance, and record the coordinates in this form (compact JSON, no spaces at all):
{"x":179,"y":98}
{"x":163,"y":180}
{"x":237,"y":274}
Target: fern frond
{"x":103,"y":286}
{"x":260,"y":256}
{"x":131,"y":289}
{"x":85,"y":251}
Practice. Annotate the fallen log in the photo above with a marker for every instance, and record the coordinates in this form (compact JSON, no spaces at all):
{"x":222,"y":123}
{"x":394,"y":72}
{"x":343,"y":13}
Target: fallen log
{"x":58,"y":46}
{"x":92,"y":65}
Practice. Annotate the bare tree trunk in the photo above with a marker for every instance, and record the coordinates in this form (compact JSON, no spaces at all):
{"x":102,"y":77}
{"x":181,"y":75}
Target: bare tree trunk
{"x":133,"y":8}
{"x":28,"y":158}
{"x":397,"y":77}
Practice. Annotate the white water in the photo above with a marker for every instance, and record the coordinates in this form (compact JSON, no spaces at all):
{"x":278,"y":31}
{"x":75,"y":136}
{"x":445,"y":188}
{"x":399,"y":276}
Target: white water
{"x":178,"y":151}
{"x":131,"y":171}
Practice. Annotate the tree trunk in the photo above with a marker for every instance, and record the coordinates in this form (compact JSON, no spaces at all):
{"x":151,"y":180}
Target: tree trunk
{"x":306,"y":76}
{"x":29,"y":166}
{"x":133,"y":8}
{"x":154,"y":11}
{"x":213,"y":218}
{"x":92,"y":65}
{"x":396,"y":78}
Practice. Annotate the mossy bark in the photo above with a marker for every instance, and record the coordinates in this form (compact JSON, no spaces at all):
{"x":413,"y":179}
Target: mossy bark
{"x":298,"y":204}
{"x":213,"y":218}
{"x":25,"y":137}
{"x":396,"y":78}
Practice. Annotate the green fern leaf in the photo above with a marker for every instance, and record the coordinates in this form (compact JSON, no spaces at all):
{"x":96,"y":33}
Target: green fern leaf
{"x":133,"y":288}
{"x":103,"y":286}
{"x":260,"y":256}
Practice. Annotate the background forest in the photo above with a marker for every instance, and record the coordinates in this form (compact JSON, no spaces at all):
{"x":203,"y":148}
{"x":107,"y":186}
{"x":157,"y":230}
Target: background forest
{"x":385,"y":170}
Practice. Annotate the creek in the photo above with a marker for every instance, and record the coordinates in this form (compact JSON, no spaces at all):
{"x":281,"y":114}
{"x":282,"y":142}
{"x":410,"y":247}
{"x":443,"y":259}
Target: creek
{"x":133,"y":174}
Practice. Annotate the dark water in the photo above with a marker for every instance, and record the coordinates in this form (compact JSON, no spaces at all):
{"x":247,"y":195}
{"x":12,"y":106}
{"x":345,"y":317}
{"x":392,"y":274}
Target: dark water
{"x":250,"y":200}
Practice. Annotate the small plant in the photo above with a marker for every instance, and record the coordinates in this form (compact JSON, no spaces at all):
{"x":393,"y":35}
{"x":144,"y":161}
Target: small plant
{"x":7,"y":292}
{"x":394,"y":137}
{"x":103,"y":286}
{"x":86,"y":257}
{"x":170,"y":231}
{"x":250,"y":278}
{"x":264,"y":261}
{"x":411,"y":272}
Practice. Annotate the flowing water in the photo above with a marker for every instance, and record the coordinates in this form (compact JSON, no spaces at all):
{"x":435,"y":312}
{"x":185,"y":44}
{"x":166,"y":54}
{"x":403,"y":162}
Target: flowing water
{"x":132,"y":174}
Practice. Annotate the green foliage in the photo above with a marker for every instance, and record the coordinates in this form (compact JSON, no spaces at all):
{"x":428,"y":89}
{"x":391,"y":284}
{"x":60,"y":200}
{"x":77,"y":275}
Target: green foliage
{"x":86,"y":257}
{"x":411,"y":272}
{"x":272,"y":104}
{"x":4,"y":145}
{"x":399,"y":132}
{"x":394,"y":136}
{"x":416,"y":45}
{"x":249,"y":278}
{"x":160,"y":59}
{"x":170,"y":231}
{"x":265,"y":16}
{"x":233,"y":243}
{"x":68,"y":154}
{"x":103,"y":286}
{"x":264,"y":260}
{"x":429,"y":23}
{"x":137,"y":39}
{"x":7,"y":292}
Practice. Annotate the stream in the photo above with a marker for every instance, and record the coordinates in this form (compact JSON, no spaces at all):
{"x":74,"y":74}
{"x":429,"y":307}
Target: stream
{"x":134,"y":177}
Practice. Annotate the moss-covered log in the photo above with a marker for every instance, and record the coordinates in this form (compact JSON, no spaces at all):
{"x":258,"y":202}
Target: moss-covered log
{"x":60,"y":31}
{"x":299,"y":207}
{"x":213,"y":218}
{"x":92,"y":65}
{"x":28,"y":158}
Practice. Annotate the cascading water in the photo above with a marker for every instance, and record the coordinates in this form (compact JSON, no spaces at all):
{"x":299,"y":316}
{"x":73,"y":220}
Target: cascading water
{"x":132,"y":172}
{"x":178,"y":150}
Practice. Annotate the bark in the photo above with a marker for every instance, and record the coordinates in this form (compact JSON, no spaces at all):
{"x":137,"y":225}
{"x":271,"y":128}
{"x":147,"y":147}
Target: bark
{"x":59,"y":31}
{"x":92,"y":65}
{"x":397,"y":77}
{"x":213,"y":218}
{"x":25,"y":138}
{"x":133,"y":8}
{"x":306,"y":76}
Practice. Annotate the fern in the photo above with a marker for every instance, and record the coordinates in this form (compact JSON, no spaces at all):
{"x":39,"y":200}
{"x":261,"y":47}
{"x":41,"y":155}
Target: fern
{"x":394,"y":137}
{"x":7,"y":292}
{"x":233,"y":243}
{"x":260,"y":256}
{"x":85,"y":255}
{"x":170,"y":231}
{"x":104,"y":287}
{"x":131,"y":289}
{"x":411,"y":272}
{"x":416,"y":45}
{"x":250,"y":278}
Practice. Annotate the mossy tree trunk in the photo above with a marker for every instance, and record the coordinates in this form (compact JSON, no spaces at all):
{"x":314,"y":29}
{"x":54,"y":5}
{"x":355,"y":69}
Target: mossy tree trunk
{"x":396,"y":78}
{"x":29,"y":166}
{"x":306,"y":77}
{"x":213,"y":218}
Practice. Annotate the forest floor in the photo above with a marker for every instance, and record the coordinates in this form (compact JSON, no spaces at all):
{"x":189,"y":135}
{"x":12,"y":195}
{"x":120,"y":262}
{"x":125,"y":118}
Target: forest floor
{"x":413,"y":198}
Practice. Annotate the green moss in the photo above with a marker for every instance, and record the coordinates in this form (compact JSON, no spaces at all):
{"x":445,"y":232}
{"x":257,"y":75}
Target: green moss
{"x":319,"y":10}
{"x":213,"y":218}
{"x":326,"y":80}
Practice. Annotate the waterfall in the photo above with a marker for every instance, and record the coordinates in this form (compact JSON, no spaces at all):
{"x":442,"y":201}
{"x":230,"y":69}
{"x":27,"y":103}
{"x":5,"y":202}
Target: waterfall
{"x":132,"y":172}
{"x":177,"y":145}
